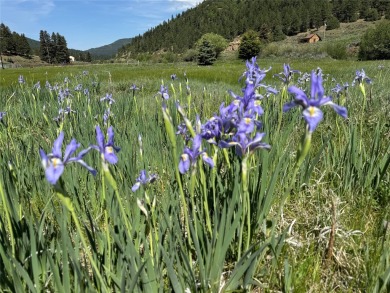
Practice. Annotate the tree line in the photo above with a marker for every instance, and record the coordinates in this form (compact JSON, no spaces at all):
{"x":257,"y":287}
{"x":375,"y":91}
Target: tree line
{"x":13,"y":43}
{"x":53,"y":48}
{"x":273,"y":20}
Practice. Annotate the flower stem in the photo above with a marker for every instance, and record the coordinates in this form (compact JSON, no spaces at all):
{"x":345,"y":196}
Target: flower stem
{"x":68,"y":204}
{"x":6,"y":210}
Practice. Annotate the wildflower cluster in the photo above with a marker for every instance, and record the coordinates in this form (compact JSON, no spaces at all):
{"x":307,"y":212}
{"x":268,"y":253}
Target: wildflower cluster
{"x":238,"y":124}
{"x":54,"y":163}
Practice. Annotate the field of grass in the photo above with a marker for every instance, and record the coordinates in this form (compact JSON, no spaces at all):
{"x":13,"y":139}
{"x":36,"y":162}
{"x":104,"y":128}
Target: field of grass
{"x":308,"y":214}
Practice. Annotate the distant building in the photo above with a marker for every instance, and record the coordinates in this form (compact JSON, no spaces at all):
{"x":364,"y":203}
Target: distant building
{"x":72,"y":59}
{"x":312,"y":38}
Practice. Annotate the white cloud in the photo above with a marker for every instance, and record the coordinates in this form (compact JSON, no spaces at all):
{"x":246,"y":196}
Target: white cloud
{"x":27,"y":9}
{"x":180,"y":5}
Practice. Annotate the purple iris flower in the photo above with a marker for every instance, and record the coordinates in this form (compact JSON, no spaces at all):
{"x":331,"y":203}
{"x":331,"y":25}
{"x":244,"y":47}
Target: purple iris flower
{"x":62,"y":113}
{"x":21,"y":79}
{"x":108,"y":98}
{"x":85,"y":72}
{"x":2,"y":114}
{"x":54,"y":163}
{"x":173,"y":76}
{"x":339,"y":89}
{"x":287,"y":74}
{"x":63,"y":94}
{"x":253,"y":73}
{"x":245,"y":144}
{"x":133,"y":87}
{"x":190,"y":156}
{"x":106,"y":115}
{"x":78,"y":87}
{"x":212,"y":129}
{"x":311,"y":106}
{"x":163,"y":92}
{"x":246,"y":125}
{"x":361,"y":77}
{"x":228,"y":116}
{"x":183,"y":132}
{"x":48,"y":85}
{"x":37,"y":86}
{"x":106,"y":149}
{"x":143,"y":179}
{"x":304,"y":78}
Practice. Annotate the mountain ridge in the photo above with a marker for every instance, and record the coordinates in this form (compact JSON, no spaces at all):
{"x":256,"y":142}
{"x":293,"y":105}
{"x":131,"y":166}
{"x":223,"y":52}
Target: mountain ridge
{"x":109,"y":50}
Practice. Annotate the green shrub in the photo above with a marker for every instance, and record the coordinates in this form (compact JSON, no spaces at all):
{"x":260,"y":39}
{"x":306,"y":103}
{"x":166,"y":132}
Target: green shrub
{"x":190,"y":55}
{"x":218,"y":42}
{"x":332,"y":23}
{"x":375,"y":43}
{"x":250,"y":45}
{"x":372,"y":15}
{"x":336,"y":50}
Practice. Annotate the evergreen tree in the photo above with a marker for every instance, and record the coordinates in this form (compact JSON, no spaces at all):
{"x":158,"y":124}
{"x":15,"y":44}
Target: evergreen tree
{"x":44,"y":49}
{"x":250,"y":45}
{"x":88,"y":57}
{"x":25,"y":48}
{"x":53,"y":47}
{"x":207,"y":54}
{"x":62,"y":51}
{"x":387,"y":12}
{"x":6,"y":39}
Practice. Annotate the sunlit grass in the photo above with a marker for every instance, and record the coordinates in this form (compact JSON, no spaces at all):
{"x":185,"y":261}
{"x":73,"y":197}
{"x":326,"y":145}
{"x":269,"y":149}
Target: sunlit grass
{"x":109,"y":242}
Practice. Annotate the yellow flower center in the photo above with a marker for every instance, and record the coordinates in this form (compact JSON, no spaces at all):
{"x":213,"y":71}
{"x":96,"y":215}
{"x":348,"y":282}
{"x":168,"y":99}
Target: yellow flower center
{"x":55,"y":162}
{"x":109,"y":149}
{"x":312,"y":111}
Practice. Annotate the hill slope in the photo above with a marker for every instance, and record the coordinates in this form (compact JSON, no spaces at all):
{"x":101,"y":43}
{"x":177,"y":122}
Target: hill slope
{"x":110,"y":49}
{"x":272,"y":19}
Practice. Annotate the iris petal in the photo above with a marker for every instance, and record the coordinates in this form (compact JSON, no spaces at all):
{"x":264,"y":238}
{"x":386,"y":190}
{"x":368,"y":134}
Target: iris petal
{"x":313,"y":116}
{"x":70,"y":149}
{"x":99,"y":138}
{"x":54,"y":171}
{"x":57,"y":145}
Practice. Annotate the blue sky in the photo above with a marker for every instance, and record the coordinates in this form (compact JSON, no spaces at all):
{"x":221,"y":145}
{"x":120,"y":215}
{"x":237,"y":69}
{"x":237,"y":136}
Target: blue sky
{"x":89,"y":24}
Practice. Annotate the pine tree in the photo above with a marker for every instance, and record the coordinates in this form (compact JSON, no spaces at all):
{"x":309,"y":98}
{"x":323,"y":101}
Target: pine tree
{"x":6,"y":39}
{"x":53,"y":47}
{"x":207,"y":54}
{"x":44,"y":49}
{"x":89,"y":57}
{"x":25,"y":48}
{"x":62,"y":55}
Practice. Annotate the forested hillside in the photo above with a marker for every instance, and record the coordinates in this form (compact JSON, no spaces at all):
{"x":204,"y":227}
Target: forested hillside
{"x":108,"y":50}
{"x":272,"y":19}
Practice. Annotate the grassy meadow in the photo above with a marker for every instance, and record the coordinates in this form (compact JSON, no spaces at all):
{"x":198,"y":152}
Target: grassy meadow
{"x":309,"y":214}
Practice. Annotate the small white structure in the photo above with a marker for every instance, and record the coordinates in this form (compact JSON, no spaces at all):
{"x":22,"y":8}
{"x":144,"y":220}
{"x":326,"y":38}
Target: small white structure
{"x":72,"y":59}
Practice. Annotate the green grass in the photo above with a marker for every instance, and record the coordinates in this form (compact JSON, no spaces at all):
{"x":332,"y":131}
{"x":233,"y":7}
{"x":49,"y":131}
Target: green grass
{"x":209,"y":229}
